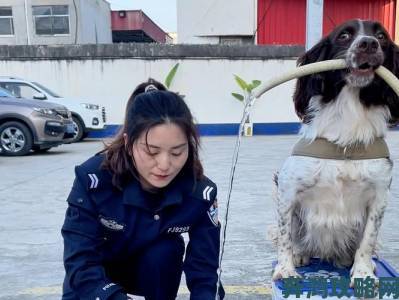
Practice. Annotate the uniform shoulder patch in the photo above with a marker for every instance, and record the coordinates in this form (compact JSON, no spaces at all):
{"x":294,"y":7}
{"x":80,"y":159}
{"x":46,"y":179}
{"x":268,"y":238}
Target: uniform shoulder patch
{"x":213,"y":213}
{"x":92,"y":175}
{"x":205,"y":189}
{"x":92,"y":183}
{"x":206,"y":193}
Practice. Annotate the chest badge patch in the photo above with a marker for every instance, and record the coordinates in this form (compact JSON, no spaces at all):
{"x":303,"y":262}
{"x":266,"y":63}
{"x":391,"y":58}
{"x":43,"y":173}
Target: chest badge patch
{"x":111,"y":224}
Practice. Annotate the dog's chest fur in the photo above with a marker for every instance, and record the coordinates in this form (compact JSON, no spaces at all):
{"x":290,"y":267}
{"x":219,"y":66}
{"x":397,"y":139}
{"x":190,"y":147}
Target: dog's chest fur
{"x":332,"y":197}
{"x":345,"y":120}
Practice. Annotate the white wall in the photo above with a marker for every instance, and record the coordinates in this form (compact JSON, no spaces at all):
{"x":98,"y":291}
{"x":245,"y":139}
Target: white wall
{"x":199,"y":21}
{"x":207,"y":84}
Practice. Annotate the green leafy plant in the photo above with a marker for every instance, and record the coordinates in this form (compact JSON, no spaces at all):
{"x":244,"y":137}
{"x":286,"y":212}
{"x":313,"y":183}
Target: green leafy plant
{"x":246,"y":88}
{"x":171,"y":75}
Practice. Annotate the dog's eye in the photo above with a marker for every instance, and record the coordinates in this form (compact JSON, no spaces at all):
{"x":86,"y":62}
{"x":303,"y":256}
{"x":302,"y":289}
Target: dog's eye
{"x":344,"y":36}
{"x":381,"y":36}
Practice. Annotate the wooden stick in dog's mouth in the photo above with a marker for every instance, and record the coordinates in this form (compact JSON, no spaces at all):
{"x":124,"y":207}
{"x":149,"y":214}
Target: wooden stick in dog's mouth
{"x":323,"y":66}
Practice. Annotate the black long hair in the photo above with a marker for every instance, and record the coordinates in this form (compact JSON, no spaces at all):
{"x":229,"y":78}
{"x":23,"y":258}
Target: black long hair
{"x":150,"y":105}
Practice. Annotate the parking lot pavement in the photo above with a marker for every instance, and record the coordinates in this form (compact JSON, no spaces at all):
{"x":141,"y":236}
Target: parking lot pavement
{"x":33,"y":190}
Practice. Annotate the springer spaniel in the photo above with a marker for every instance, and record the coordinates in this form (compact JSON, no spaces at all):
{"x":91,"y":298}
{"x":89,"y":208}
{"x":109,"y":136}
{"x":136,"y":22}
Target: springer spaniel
{"x":332,"y":208}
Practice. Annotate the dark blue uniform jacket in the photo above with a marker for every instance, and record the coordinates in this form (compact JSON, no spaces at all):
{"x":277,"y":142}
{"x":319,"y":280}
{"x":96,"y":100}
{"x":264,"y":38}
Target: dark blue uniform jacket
{"x":104,"y":224}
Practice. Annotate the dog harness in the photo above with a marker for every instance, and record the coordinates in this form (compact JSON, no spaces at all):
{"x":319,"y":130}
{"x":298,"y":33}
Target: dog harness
{"x":322,"y":148}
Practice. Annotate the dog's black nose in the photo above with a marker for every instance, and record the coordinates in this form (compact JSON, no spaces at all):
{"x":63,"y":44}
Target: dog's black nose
{"x":368,"y":45}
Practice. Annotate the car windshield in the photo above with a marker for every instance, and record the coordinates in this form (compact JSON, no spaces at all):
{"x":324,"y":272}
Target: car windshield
{"x":50,"y":92}
{"x":4,"y":93}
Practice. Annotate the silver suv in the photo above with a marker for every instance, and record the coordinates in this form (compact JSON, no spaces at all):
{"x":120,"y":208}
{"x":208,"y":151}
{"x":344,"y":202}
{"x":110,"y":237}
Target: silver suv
{"x":27,"y":125}
{"x":86,"y":116}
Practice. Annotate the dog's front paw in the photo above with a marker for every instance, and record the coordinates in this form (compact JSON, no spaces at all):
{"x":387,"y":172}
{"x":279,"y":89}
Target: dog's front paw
{"x":362,"y":269}
{"x":301,"y":260}
{"x":282,"y":271}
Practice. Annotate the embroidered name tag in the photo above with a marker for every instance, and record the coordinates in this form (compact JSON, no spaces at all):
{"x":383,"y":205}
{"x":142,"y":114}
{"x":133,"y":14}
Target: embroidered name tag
{"x":111,"y":224}
{"x":178,"y":229}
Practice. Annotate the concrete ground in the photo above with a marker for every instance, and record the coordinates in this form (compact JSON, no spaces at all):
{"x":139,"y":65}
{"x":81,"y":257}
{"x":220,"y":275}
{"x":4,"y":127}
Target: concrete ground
{"x":33,"y":190}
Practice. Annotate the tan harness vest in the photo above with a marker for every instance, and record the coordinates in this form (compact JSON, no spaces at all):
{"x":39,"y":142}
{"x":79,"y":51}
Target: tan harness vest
{"x":322,"y":148}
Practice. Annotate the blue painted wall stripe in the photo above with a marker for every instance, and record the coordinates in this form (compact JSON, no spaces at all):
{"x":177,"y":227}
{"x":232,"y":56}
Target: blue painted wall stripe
{"x":276,"y":128}
{"x":223,"y":129}
{"x":219,"y":129}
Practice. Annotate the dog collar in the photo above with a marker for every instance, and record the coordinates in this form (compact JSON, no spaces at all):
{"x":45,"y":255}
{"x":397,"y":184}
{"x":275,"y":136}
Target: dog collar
{"x":322,"y":148}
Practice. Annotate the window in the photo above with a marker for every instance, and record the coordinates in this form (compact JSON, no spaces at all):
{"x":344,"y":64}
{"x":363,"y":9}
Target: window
{"x":20,"y":90}
{"x":4,"y":93}
{"x":6,"y":21}
{"x":47,"y":90}
{"x":51,"y":19}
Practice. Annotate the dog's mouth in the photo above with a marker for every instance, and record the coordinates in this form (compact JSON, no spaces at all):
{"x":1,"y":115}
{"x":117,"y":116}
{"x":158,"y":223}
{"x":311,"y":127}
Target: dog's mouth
{"x":362,"y":73}
{"x":364,"y":69}
{"x":361,"y":65}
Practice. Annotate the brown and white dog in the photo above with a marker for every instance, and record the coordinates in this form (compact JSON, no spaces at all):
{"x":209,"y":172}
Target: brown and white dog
{"x":332,"y":208}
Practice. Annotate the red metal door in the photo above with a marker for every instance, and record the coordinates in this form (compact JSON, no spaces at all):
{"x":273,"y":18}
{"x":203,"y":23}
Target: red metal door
{"x":338,"y":11}
{"x":281,"y":22}
{"x":284,"y":21}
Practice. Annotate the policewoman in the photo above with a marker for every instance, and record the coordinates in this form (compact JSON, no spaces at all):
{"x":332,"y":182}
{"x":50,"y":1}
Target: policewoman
{"x":130,"y":203}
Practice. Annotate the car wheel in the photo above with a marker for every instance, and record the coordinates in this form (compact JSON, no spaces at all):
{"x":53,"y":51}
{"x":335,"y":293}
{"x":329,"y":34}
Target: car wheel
{"x":15,"y":139}
{"x":78,"y":130}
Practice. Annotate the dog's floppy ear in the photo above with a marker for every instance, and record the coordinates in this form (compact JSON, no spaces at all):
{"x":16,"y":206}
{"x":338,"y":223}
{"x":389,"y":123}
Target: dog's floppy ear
{"x":309,"y":86}
{"x":392,"y":63}
{"x":379,"y":92}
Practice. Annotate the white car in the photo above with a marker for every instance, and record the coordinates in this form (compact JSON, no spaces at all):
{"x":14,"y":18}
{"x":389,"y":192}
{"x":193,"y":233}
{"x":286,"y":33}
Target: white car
{"x":86,"y":116}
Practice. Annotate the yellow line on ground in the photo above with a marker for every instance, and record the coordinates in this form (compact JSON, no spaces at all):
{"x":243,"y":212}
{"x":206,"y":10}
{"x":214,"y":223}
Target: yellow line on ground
{"x":41,"y":291}
{"x":229,"y":289}
{"x":238,"y":290}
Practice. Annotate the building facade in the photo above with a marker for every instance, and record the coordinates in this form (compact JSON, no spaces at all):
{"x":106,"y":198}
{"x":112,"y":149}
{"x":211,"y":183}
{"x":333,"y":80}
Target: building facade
{"x":46,"y":22}
{"x":284,"y":22}
{"x":216,"y":22}
{"x":134,"y":26}
{"x":272,"y":22}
